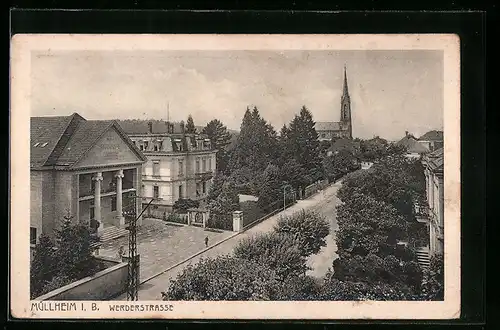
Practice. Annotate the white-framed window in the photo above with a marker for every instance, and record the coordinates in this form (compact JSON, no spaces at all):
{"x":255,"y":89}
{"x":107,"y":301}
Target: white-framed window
{"x":181,"y":167}
{"x":156,"y":168}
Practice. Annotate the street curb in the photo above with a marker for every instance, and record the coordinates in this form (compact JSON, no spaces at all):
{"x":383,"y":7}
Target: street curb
{"x":188,"y":258}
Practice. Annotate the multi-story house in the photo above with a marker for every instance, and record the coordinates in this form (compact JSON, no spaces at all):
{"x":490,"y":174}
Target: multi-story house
{"x":179,"y":165}
{"x":85,"y":169}
{"x":434,"y":163}
{"x":432,"y":140}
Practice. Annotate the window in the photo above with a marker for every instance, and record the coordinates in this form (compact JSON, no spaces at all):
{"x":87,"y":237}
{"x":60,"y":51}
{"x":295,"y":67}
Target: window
{"x":44,"y":145}
{"x":156,"y":192}
{"x":160,"y":145}
{"x":204,"y":164}
{"x":197,"y":165}
{"x":156,"y":147}
{"x":141,"y":147}
{"x":146,"y":143}
{"x":142,"y":190}
{"x":181,"y":167}
{"x":180,"y":192}
{"x":113,"y":203}
{"x":204,"y":187}
{"x":36,"y":144}
{"x":91,"y":212}
{"x":323,"y":135}
{"x":32,"y":235}
{"x":198,"y":188}
{"x":156,"y":168}
{"x":210,"y":164}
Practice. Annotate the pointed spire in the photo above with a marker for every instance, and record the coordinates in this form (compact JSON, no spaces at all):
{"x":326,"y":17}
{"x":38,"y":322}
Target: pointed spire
{"x":346,"y":90}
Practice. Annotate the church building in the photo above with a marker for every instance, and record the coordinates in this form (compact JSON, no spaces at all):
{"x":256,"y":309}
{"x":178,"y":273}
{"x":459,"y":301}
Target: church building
{"x":343,"y":128}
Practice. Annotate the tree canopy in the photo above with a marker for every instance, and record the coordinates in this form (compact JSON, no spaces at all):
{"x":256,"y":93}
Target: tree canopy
{"x":190,"y":127}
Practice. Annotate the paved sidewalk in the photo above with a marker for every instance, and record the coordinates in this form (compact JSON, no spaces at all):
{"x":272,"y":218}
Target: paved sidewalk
{"x":161,"y":245}
{"x":151,"y":290}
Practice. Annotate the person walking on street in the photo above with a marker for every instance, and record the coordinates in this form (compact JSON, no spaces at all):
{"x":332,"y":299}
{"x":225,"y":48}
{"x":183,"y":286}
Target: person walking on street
{"x":206,"y":241}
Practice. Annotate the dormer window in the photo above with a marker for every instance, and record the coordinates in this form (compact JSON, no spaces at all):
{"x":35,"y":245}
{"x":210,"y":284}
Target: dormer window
{"x":44,"y":144}
{"x":36,"y":144}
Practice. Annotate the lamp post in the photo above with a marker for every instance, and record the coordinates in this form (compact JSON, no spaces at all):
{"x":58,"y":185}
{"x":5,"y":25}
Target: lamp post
{"x":133,"y":263}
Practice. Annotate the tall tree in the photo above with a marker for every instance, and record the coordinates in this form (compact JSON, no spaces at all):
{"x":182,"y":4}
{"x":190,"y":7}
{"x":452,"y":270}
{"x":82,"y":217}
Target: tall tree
{"x":219,"y":138}
{"x":190,"y":128}
{"x":256,"y":145}
{"x":303,"y":144}
{"x":270,"y":193}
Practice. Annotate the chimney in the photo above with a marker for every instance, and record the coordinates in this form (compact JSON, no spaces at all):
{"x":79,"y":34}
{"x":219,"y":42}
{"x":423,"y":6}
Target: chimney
{"x":406,"y":133}
{"x":150,"y":126}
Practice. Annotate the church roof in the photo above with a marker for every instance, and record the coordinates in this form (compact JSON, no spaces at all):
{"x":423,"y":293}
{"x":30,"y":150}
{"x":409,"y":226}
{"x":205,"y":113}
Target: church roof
{"x":327,"y":126}
{"x":432,"y":136}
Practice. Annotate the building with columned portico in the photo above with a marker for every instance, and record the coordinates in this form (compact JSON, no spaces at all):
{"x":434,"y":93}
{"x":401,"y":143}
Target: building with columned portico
{"x":86,"y":169}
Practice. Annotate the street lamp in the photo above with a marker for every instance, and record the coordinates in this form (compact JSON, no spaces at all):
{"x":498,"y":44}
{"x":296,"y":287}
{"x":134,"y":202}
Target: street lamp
{"x":133,"y":262}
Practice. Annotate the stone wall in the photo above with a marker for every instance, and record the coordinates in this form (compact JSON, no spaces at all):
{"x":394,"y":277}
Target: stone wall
{"x":103,"y":285}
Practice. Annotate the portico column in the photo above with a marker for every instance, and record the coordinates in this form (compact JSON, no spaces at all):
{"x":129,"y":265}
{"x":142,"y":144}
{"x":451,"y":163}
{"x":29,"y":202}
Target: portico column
{"x":97,"y":200}
{"x":119,"y":197}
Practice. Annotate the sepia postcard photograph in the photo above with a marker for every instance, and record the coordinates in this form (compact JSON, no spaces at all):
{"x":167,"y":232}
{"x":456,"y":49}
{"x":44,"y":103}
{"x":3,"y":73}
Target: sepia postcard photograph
{"x":235,"y":176}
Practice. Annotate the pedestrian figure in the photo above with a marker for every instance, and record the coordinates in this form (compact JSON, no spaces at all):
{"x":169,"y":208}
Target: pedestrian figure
{"x":206,"y":241}
{"x":121,"y":252}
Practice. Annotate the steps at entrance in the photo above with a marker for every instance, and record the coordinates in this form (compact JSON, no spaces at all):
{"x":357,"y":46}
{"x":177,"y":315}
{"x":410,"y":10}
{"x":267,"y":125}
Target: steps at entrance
{"x":111,"y":233}
{"x":423,"y":257}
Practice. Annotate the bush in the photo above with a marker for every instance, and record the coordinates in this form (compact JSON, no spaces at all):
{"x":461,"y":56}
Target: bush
{"x":297,"y":288}
{"x":308,"y":227}
{"x":433,"y":283}
{"x":220,"y":221}
{"x":172,"y":217}
{"x":182,"y":205}
{"x":56,"y":282}
{"x":224,"y":278}
{"x":280,"y":252}
{"x":42,"y":265}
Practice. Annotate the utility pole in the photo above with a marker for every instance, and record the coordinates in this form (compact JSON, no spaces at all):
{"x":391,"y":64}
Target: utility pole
{"x":133,"y":262}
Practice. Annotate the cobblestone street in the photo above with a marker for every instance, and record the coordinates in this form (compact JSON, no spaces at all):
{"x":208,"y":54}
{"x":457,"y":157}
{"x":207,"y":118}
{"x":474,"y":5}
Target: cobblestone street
{"x":161,"y":245}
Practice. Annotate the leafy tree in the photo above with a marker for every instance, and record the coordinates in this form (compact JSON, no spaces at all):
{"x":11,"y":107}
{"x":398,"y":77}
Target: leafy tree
{"x":75,"y":250}
{"x":190,"y":128}
{"x":227,"y":201}
{"x":182,"y":205}
{"x":257,"y":143}
{"x":293,"y":173}
{"x":337,"y":290}
{"x":367,"y":225}
{"x":308,"y":227}
{"x":225,"y":278}
{"x":42,"y":265}
{"x":280,"y":252}
{"x":300,"y":288}
{"x":216,"y":186}
{"x":302,"y":144}
{"x":270,"y":190}
{"x":433,"y":282}
{"x":219,"y":138}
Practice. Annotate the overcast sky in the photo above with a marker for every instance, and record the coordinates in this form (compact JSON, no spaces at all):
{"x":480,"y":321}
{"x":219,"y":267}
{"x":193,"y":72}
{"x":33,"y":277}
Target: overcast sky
{"x":391,"y":91}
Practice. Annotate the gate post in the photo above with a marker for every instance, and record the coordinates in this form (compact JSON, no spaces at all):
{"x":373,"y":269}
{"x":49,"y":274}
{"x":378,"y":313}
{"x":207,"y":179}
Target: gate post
{"x":238,"y":221}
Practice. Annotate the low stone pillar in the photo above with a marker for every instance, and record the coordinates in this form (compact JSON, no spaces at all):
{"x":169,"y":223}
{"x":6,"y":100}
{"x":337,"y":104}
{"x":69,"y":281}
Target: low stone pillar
{"x":189,"y":218}
{"x":237,"y":221}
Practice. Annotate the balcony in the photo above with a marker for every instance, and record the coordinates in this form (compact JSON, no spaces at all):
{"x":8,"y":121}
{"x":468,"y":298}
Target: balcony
{"x":203,"y":176}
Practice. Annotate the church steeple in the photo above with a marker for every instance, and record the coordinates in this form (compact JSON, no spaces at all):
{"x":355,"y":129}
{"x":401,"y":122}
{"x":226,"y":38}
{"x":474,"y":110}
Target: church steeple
{"x":346,"y":89}
{"x":345,"y":107}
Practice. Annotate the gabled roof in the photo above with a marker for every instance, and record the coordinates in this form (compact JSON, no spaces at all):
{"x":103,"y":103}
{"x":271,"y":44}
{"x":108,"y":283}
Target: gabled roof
{"x":435,"y":160}
{"x":69,"y":138}
{"x":412,"y":145}
{"x":432,"y":136}
{"x":327,"y":126}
